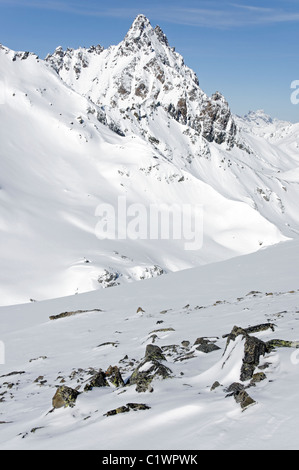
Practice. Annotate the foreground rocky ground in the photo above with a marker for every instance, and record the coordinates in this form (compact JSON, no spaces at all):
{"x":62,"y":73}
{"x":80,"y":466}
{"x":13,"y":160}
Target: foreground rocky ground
{"x":237,"y":365}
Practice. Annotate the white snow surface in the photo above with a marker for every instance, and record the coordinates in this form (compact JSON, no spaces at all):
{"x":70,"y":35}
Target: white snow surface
{"x":184,"y":413}
{"x":83,"y":128}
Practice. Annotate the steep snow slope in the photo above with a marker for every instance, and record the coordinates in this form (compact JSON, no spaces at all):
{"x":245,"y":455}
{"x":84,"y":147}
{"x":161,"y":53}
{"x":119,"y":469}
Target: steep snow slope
{"x":59,"y":162}
{"x":144,"y":88}
{"x":184,"y":413}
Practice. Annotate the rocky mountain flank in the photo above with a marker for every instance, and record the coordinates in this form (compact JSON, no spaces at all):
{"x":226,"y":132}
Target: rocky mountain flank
{"x":140,"y":75}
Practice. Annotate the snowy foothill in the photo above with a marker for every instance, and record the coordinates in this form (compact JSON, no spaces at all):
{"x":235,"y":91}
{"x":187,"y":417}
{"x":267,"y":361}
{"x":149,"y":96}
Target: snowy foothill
{"x":113,"y":327}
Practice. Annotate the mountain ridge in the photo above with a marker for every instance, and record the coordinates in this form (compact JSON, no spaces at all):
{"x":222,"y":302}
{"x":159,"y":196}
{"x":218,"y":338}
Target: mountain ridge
{"x":153,"y":75}
{"x":76,"y":135}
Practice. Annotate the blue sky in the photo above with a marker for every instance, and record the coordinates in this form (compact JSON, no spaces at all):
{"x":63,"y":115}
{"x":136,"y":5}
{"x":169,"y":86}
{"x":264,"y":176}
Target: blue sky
{"x":246,"y":49}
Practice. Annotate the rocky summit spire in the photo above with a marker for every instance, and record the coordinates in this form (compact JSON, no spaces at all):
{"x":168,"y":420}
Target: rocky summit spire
{"x":139,"y":75}
{"x":141,"y":25}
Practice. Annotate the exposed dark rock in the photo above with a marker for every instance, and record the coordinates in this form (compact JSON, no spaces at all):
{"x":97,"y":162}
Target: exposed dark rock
{"x":149,"y":369}
{"x":281,"y":343}
{"x":261,"y":327}
{"x":107,"y":343}
{"x":98,"y":380}
{"x":237,"y":390}
{"x":253,"y":349}
{"x":236,"y":331}
{"x":120,"y":409}
{"x":70,"y":314}
{"x":264,"y":366}
{"x":138,"y":406}
{"x":143,"y":379}
{"x":114,"y":377}
{"x":128,"y":407}
{"x":13,"y":373}
{"x":153,"y":352}
{"x":257,"y":377}
{"x":205,"y":345}
{"x":251,"y":329}
{"x":215,"y":385}
{"x":141,"y":90}
{"x":234,"y":388}
{"x":161,"y":330}
{"x":244,"y":399}
{"x":64,"y":397}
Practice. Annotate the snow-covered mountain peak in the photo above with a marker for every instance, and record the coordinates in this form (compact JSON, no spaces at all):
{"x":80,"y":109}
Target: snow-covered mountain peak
{"x":170,"y":143}
{"x":142,"y":33}
{"x":258,"y":117}
{"x":261,"y":124}
{"x":141,"y":26}
{"x":15,"y":55}
{"x":143,"y":76}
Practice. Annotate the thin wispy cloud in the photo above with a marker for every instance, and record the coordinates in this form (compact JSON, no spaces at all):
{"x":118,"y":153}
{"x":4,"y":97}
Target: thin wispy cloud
{"x":219,"y":15}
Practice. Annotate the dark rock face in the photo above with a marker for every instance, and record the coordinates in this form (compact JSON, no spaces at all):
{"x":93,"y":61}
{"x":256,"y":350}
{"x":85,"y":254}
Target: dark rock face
{"x":76,"y":59}
{"x":215,"y":385}
{"x":149,"y":369}
{"x":165,"y":71}
{"x":205,"y":345}
{"x":64,"y":397}
{"x":253,"y":349}
{"x":126,"y":408}
{"x":98,"y":380}
{"x":234,"y":388}
{"x":237,"y":390}
{"x":153,"y":352}
{"x":217,"y":122}
{"x":244,"y":399}
{"x":257,"y":377}
{"x":114,"y":377}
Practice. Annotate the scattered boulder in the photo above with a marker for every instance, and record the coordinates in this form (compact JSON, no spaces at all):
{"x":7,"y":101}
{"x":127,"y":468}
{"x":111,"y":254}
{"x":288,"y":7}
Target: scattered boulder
{"x":205,"y":345}
{"x":70,"y":314}
{"x":281,"y":343}
{"x":149,"y":368}
{"x":237,"y":390}
{"x":234,"y":388}
{"x":260,"y":327}
{"x":215,"y":385}
{"x":64,"y":397}
{"x":108,"y":343}
{"x":253,"y":349}
{"x":114,"y":377}
{"x":153,"y":352}
{"x":128,"y":407}
{"x":251,"y":329}
{"x":162,"y":330}
{"x":244,"y":399}
{"x":257,"y":377}
{"x":116,"y":411}
{"x":98,"y":380}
